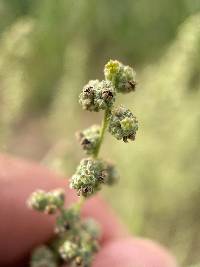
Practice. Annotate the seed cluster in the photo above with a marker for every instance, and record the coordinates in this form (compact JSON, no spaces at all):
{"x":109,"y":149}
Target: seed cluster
{"x":123,"y":124}
{"x":97,"y":95}
{"x":75,"y":240}
{"x":43,"y":257}
{"x":48,"y":202}
{"x":122,"y":77}
{"x":89,"y":139}
{"x":91,"y":174}
{"x":81,"y":244}
{"x":67,"y":220}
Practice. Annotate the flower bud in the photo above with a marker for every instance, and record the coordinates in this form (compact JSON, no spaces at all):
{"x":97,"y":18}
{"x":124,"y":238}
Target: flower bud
{"x":90,"y":174}
{"x":56,"y":197}
{"x":97,"y":95}
{"x":89,"y":139}
{"x":43,"y":257}
{"x":86,"y":252}
{"x":68,"y":250}
{"x":105,"y":95}
{"x":92,"y":228}
{"x":123,"y":124}
{"x":122,"y":77}
{"x":67,"y":220}
{"x":47,"y":202}
{"x":88,"y":177}
{"x":112,"y":175}
{"x":38,"y":200}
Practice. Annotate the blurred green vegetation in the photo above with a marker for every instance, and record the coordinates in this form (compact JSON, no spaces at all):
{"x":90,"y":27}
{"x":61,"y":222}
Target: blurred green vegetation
{"x":49,"y":50}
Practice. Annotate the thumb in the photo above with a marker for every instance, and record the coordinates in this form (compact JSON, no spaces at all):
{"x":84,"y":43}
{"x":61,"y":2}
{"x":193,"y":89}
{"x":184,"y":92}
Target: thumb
{"x":133,"y":252}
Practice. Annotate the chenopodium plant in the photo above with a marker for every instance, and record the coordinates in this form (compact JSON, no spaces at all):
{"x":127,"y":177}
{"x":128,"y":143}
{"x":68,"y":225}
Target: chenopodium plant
{"x":76,"y":239}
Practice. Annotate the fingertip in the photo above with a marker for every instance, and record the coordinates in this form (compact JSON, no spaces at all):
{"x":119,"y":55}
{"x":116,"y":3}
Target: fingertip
{"x":98,"y":209}
{"x":133,"y":253}
{"x":21,"y":228}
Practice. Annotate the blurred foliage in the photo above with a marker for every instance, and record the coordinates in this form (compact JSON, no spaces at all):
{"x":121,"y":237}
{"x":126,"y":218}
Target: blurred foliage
{"x":165,"y":159}
{"x":49,"y":50}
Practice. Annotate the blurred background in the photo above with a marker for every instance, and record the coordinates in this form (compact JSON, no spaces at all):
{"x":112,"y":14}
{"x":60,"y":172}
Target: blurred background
{"x":50,"y":49}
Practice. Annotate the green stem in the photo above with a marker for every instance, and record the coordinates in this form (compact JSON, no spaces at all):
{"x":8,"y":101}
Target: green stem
{"x":102,"y":133}
{"x":80,"y":202}
{"x":105,"y":121}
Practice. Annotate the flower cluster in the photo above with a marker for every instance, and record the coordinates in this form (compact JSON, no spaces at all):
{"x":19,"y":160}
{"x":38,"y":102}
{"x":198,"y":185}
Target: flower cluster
{"x":91,"y":174}
{"x":122,"y":77}
{"x":43,"y":257}
{"x":78,"y":250}
{"x":48,"y":202}
{"x":123,"y":124}
{"x":97,"y":95}
{"x":67,"y":220}
{"x":76,"y":240}
{"x":89,"y":139}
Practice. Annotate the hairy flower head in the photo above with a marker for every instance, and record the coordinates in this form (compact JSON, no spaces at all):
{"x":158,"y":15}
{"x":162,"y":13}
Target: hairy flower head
{"x":88,"y":177}
{"x":123,"y":124}
{"x":121,"y":76}
{"x":92,"y":228}
{"x":97,"y":95}
{"x":43,"y":257}
{"x":90,"y":174}
{"x":68,"y":250}
{"x":47,"y":202}
{"x":89,"y":139}
{"x":67,"y":220}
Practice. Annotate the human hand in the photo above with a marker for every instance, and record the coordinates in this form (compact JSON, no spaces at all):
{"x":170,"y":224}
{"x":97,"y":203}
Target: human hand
{"x":21,"y":229}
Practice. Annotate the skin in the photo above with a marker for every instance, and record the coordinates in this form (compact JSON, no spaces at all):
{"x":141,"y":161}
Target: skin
{"x":21,"y":229}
